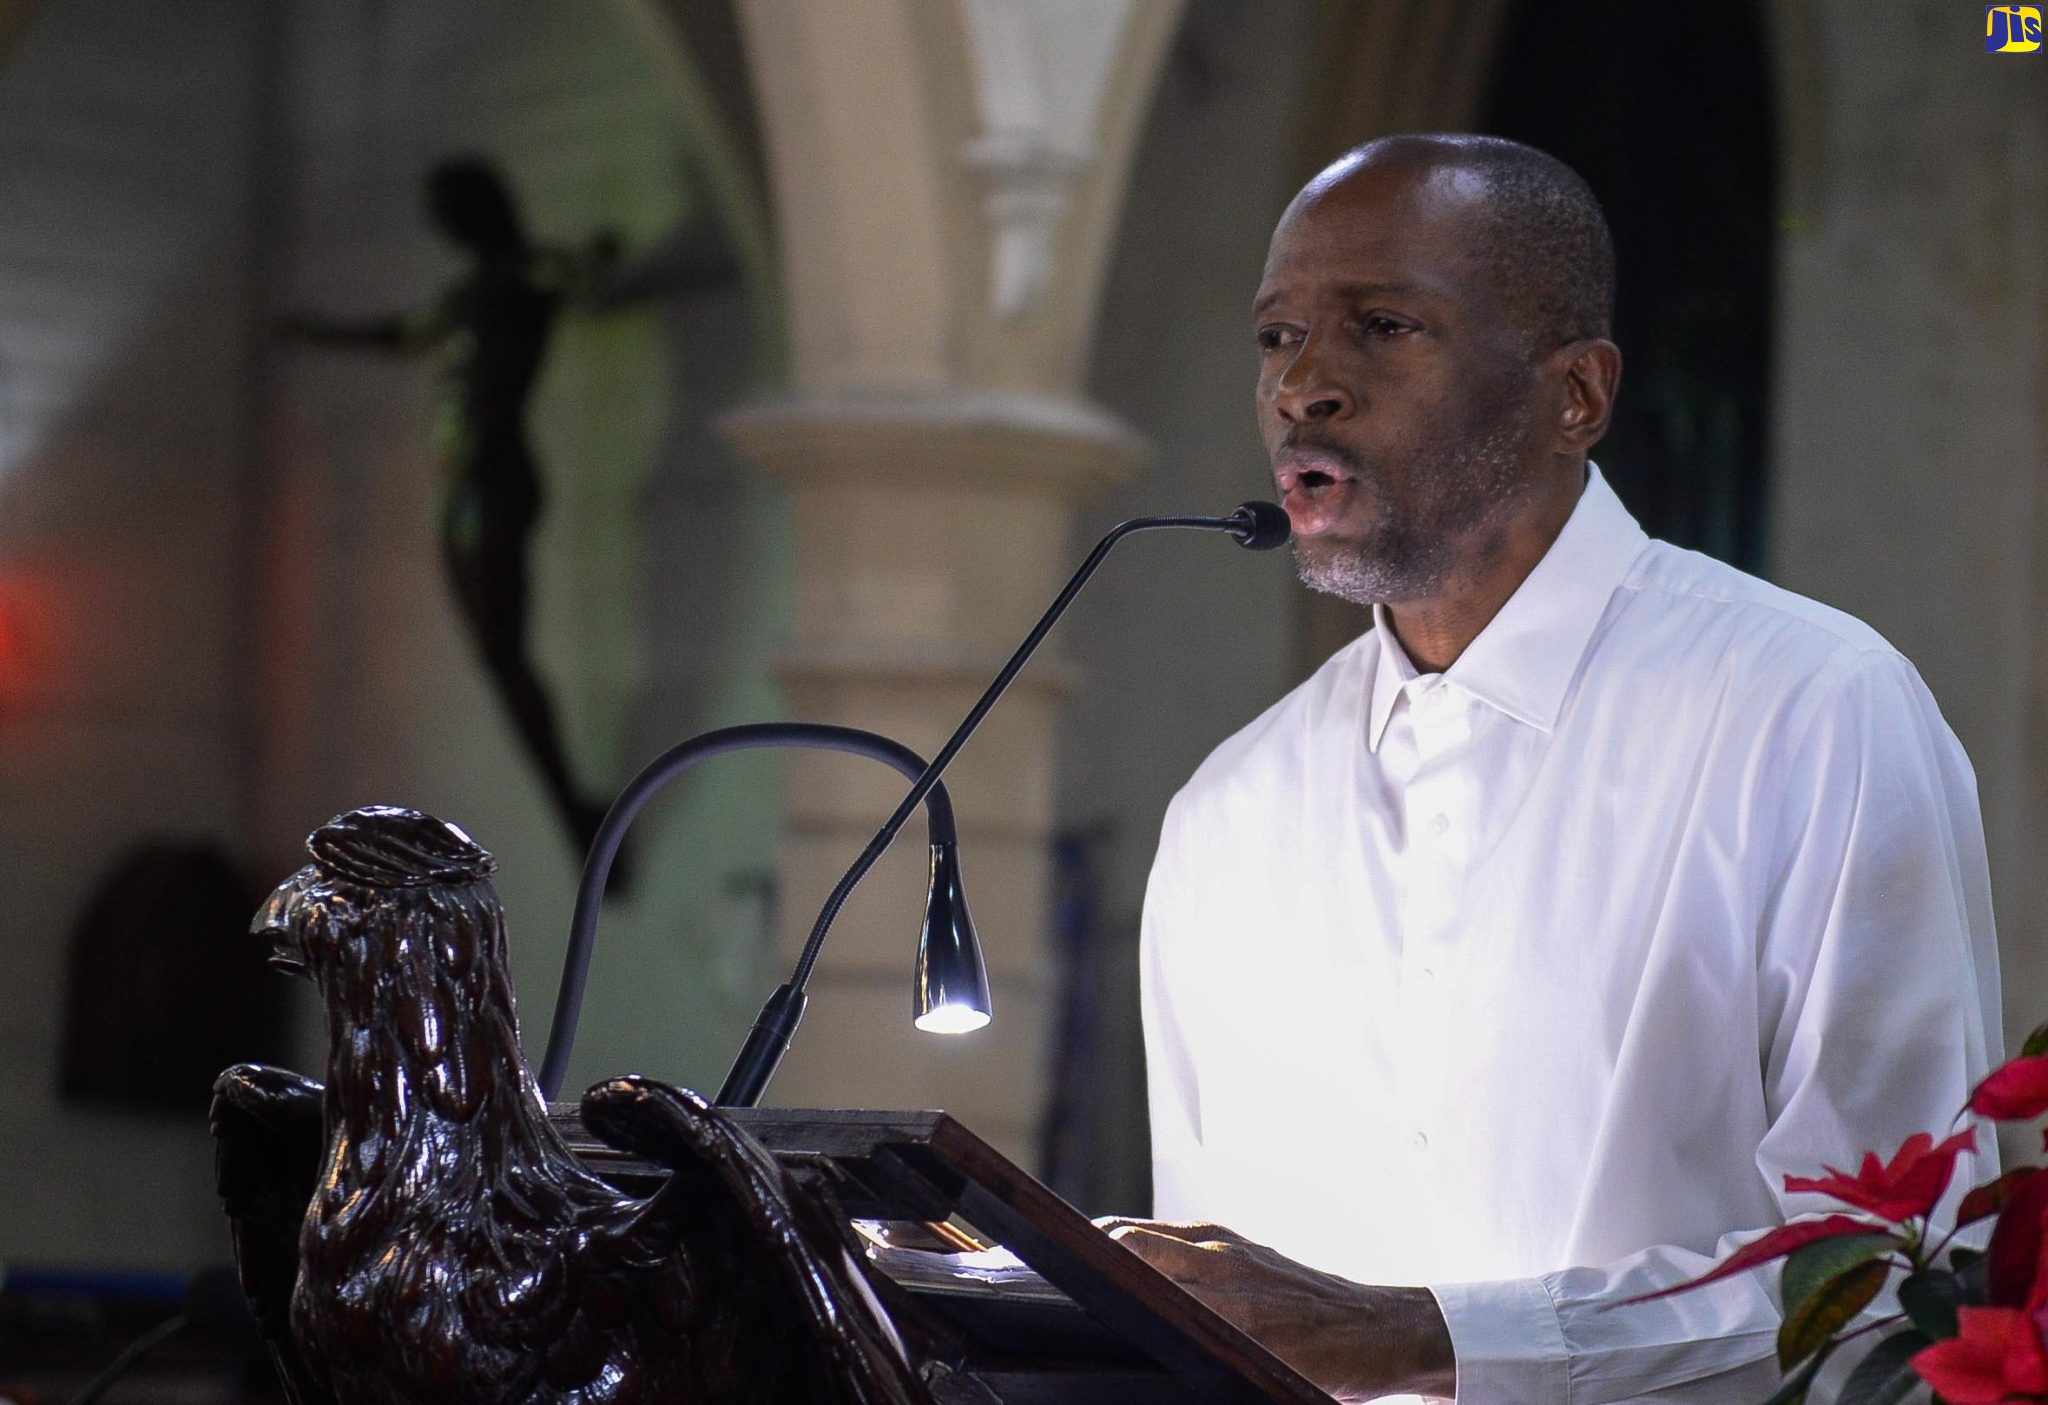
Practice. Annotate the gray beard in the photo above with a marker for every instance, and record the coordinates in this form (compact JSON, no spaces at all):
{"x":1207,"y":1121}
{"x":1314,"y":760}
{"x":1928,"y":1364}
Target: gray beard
{"x":1390,"y":567}
{"x":1416,"y":548}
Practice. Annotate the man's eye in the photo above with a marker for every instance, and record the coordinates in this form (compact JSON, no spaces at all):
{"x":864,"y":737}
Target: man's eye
{"x":1384,"y":327}
{"x":1273,"y":338}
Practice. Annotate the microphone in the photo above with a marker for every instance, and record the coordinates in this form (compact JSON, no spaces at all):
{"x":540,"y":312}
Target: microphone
{"x":1256,"y":526}
{"x":1260,"y":526}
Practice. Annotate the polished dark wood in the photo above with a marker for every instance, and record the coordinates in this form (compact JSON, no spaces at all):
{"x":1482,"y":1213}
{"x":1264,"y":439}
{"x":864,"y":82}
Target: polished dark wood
{"x":423,"y":1228}
{"x":1139,"y":1337}
{"x":418,"y":1231}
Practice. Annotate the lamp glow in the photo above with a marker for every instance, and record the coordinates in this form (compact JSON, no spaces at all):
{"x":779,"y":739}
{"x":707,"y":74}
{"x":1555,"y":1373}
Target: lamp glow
{"x":952,"y":1019}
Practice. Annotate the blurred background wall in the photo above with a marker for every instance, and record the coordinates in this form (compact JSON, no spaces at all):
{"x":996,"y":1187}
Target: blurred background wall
{"x":924,"y":295}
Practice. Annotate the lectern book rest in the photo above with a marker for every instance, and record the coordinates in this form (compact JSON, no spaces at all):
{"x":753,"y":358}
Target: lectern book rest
{"x":1012,"y":1292}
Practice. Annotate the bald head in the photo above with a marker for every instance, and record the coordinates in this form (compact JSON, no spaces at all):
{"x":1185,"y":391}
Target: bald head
{"x":1432,"y":367}
{"x":1534,"y":229}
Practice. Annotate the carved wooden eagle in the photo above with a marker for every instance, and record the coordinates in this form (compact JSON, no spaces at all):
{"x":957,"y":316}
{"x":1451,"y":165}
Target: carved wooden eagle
{"x":416,"y":1231}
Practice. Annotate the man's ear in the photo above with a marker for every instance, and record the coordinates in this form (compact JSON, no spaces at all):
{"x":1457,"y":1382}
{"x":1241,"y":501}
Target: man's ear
{"x":1591,"y":372}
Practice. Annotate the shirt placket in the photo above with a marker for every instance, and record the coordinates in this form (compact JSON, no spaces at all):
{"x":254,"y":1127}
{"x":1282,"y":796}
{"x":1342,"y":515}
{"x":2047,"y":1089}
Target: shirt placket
{"x":1437,"y":816}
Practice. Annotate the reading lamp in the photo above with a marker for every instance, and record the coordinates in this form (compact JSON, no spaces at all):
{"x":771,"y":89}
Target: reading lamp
{"x":951,"y":994}
{"x":950,"y":987}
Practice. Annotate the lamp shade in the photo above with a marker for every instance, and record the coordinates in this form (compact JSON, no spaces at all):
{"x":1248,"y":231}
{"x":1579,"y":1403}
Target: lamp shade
{"x":950,"y":992}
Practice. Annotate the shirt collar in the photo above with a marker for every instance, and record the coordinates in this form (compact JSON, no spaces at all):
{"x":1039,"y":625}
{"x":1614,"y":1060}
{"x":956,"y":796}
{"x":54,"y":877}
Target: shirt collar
{"x":1393,"y":673}
{"x":1527,"y":655}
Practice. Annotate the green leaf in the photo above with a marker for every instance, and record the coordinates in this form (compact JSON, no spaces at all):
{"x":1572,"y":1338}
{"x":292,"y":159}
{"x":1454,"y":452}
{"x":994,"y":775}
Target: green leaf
{"x":1883,"y":1377}
{"x":1813,"y":1324}
{"x":1793,"y":1392}
{"x":1930,"y":1298}
{"x":2036,"y":1045}
{"x":1814,"y":1266}
{"x":1973,"y":1275}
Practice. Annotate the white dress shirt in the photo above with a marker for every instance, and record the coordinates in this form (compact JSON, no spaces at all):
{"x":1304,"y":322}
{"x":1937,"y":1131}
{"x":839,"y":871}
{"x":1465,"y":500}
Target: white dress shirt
{"x":1531,"y":980}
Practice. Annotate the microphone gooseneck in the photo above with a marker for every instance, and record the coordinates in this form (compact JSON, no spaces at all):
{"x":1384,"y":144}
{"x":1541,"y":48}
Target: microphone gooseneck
{"x":1257,"y":526}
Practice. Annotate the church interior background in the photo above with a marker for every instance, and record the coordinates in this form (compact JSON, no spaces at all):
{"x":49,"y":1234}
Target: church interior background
{"x":925,"y":295}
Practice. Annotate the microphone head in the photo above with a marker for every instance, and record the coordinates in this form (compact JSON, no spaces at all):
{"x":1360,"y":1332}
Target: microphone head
{"x":1260,"y":526}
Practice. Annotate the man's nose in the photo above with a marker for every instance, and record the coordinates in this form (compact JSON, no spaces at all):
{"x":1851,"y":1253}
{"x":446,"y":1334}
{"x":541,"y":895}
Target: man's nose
{"x":1309,"y":389}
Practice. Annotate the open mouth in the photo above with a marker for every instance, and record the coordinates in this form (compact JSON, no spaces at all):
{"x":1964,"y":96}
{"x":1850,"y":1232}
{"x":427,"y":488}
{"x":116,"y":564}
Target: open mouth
{"x":1315,"y":487}
{"x":1309,"y":470}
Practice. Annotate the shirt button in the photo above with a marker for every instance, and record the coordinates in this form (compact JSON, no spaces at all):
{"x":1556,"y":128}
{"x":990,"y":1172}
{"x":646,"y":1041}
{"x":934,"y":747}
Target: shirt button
{"x":1440,"y":826}
{"x":1426,"y":973}
{"x":1418,"y":1141}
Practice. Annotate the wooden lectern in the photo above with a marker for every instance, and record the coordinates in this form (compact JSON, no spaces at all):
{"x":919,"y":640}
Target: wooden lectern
{"x":419,"y":1228}
{"x":1091,"y":1322}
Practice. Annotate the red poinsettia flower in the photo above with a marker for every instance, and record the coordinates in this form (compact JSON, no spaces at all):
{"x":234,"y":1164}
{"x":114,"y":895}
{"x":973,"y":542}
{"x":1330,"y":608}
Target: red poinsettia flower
{"x":1993,"y":1197}
{"x":1996,"y":1356}
{"x":2015,"y":1091}
{"x":1905,"y":1187}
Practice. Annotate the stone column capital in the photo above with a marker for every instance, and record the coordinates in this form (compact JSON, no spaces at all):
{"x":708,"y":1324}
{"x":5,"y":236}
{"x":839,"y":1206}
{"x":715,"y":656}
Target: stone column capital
{"x":949,"y":439}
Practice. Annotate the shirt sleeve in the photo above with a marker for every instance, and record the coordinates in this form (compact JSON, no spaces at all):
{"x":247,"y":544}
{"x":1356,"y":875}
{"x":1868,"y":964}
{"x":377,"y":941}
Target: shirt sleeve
{"x":1877,"y":985}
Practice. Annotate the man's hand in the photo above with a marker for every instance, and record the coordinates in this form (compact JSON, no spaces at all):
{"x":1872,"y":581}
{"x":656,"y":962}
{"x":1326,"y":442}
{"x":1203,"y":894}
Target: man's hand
{"x":1355,"y":1341}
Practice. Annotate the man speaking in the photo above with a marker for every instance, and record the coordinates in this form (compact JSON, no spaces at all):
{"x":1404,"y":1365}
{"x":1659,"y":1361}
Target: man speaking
{"x":1520,"y":953}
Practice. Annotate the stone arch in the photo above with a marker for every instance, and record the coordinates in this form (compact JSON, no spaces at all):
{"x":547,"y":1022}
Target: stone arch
{"x":946,"y":179}
{"x":1397,"y":66}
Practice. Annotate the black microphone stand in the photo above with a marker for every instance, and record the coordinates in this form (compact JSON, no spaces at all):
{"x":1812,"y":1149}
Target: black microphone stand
{"x":1258,"y":526}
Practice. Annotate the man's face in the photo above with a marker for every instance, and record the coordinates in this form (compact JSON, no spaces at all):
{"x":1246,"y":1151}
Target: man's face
{"x":1397,"y":396}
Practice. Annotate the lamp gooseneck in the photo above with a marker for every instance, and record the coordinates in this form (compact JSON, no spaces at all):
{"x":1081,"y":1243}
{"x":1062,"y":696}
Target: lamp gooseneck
{"x":782,"y":1012}
{"x":950,"y":974}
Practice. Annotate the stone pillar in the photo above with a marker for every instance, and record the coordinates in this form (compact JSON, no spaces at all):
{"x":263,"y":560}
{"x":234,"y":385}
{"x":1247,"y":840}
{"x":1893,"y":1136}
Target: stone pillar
{"x":930,"y":531}
{"x":1909,"y":440}
{"x":947,"y":175}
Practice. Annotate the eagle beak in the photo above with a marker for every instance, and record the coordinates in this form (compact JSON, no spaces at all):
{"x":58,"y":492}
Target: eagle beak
{"x":279,"y":918}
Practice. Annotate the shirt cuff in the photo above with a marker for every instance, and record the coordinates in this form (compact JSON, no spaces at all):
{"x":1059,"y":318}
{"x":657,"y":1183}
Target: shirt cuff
{"x":1507,"y":1341}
